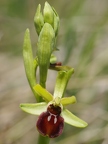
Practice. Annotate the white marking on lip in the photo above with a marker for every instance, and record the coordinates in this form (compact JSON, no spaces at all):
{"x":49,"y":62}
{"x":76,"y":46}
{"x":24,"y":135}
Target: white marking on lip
{"x":55,"y":117}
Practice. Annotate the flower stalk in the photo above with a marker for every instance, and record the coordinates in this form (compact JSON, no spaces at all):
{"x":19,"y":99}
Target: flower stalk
{"x":43,"y":140}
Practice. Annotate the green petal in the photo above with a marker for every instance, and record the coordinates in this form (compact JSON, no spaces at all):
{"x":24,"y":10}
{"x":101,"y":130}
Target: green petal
{"x":43,"y":93}
{"x":72,"y":119}
{"x":68,"y":100}
{"x":34,"y":108}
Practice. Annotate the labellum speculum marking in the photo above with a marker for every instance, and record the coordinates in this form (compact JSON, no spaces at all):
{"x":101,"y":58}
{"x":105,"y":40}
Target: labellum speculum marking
{"x":50,"y":123}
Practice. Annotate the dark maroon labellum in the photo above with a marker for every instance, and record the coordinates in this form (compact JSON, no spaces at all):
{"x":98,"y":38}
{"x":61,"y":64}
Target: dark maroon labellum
{"x":50,"y":123}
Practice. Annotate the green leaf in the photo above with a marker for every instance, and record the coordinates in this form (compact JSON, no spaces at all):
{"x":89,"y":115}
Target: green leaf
{"x":43,"y":93}
{"x":71,"y":119}
{"x":68,"y":100}
{"x":34,"y":108}
{"x":29,"y":63}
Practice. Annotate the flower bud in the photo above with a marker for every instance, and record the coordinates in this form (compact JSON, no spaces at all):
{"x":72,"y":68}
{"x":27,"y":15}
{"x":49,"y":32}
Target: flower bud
{"x":46,"y":43}
{"x":56,"y":22}
{"x":38,"y":19}
{"x":48,"y":14}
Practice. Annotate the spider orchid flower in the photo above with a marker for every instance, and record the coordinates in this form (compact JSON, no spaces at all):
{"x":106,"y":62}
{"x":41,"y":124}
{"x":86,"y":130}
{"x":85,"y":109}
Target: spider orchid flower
{"x":52,"y":113}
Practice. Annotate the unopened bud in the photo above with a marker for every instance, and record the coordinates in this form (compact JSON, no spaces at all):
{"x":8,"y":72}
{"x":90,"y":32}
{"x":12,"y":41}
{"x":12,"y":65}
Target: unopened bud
{"x":45,"y":47}
{"x":38,"y":20}
{"x":48,"y":14}
{"x":56,"y":22}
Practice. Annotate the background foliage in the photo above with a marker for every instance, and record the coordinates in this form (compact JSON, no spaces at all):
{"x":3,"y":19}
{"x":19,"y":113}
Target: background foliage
{"x":83,"y":44}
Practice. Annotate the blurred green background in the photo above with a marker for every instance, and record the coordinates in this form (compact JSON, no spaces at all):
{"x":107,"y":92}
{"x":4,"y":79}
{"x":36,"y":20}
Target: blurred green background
{"x":83,"y":44}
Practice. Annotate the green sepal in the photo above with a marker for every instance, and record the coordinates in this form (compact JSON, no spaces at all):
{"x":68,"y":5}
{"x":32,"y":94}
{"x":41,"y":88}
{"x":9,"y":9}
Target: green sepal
{"x":46,"y":43}
{"x":61,"y":81}
{"x":38,"y":19}
{"x":48,"y":14}
{"x":71,"y":119}
{"x":68,"y":100}
{"x":34,"y":108}
{"x":29,"y":63}
{"x":43,"y":93}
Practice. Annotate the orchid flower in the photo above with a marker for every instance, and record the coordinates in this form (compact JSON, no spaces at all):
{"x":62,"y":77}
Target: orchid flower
{"x":52,"y":113}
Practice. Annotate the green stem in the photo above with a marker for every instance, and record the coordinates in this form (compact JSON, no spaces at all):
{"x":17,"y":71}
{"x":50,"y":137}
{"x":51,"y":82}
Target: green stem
{"x":43,"y":84}
{"x":43,"y":140}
